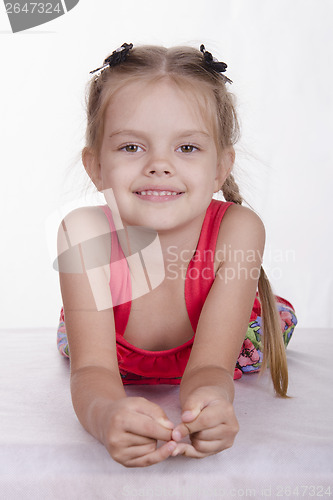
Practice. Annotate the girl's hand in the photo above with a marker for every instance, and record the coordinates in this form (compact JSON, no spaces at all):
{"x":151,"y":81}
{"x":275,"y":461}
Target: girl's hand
{"x":209,"y":419}
{"x":132,"y":427}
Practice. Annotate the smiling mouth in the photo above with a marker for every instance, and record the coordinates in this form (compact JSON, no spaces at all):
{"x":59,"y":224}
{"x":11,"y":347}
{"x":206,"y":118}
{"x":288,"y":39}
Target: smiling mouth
{"x":158,"y":193}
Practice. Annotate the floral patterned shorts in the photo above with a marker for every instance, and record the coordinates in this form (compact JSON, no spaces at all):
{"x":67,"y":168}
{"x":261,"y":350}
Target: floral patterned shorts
{"x":250,"y":357}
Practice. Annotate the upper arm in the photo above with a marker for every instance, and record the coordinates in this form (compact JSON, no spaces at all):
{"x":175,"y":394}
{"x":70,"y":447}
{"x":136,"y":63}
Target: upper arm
{"x":225,"y":315}
{"x":84,"y":280}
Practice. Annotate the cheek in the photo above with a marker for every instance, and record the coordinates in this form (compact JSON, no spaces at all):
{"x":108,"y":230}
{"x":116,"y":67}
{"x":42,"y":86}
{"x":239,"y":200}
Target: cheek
{"x":107,"y":177}
{"x":208,"y":174}
{"x":118,"y":177}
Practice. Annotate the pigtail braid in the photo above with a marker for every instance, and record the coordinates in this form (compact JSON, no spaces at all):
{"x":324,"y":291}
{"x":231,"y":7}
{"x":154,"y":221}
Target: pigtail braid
{"x":230,"y":190}
{"x":274,"y":350}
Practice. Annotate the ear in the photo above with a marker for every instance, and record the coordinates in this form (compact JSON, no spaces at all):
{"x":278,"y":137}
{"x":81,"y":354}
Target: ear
{"x":224,"y":167}
{"x":92,"y":166}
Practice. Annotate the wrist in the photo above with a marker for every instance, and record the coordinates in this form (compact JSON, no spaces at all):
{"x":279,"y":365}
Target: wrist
{"x":94,"y":392}
{"x":212,"y":378}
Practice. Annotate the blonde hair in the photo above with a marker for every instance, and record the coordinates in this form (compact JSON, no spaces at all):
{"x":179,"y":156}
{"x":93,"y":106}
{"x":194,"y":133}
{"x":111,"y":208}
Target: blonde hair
{"x":186,"y":67}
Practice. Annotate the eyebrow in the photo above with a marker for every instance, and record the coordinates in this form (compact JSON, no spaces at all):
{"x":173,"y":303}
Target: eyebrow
{"x":180,"y":133}
{"x":125,"y":132}
{"x":187,"y":133}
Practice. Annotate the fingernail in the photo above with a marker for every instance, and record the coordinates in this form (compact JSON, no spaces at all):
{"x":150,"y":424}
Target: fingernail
{"x":172,"y":447}
{"x":165,"y":422}
{"x":176,"y":435}
{"x":175,"y":453}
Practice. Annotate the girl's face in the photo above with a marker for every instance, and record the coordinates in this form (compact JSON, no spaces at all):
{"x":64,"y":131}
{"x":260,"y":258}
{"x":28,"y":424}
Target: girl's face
{"x":159,"y":157}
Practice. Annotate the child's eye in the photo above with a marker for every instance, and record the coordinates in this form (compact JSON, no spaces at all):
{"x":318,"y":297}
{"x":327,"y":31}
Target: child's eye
{"x":131,"y":148}
{"x":187,"y":148}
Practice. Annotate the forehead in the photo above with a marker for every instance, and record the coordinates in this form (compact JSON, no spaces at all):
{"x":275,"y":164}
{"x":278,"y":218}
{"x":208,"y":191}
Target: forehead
{"x":162,"y":99}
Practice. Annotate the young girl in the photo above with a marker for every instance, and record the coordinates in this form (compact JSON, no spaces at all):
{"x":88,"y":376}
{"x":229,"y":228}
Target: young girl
{"x":176,"y":302}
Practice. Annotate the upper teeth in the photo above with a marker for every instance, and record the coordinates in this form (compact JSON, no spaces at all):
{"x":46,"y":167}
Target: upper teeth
{"x":158,"y":193}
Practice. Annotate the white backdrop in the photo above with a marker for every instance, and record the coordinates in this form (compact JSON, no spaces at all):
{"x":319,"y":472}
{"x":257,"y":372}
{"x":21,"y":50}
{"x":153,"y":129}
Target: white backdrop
{"x":279,"y":55}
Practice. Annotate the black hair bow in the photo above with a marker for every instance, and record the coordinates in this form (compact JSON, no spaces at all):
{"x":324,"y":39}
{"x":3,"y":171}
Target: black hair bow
{"x":118,"y":56}
{"x":219,"y":67}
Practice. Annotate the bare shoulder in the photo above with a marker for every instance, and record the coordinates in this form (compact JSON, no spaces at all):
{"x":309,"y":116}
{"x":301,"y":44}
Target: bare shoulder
{"x":84,"y":223}
{"x":246,"y":218}
{"x":241,"y":228}
{"x":87,"y":230}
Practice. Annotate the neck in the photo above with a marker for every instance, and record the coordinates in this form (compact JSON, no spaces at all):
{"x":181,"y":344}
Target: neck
{"x":178,"y":246}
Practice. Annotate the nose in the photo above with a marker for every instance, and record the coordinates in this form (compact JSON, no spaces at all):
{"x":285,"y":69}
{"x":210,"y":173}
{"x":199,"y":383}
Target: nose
{"x":159,"y":166}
